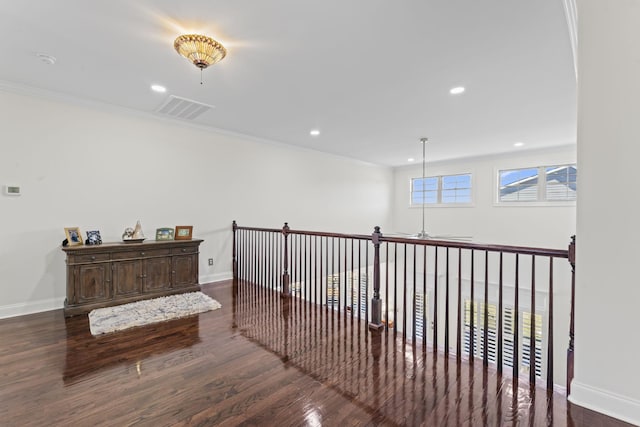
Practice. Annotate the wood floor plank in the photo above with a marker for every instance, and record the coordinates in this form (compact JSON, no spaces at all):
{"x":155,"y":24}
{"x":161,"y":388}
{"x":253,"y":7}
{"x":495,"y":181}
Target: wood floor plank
{"x":260,"y":360}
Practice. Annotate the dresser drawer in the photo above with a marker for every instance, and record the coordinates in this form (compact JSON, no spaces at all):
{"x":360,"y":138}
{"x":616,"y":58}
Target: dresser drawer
{"x":88,"y":258}
{"x":185,"y":250}
{"x":139,"y":253}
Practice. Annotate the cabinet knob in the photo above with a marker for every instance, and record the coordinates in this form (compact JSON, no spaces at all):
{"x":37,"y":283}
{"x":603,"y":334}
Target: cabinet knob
{"x":141,"y":253}
{"x":184,"y":250}
{"x":93,"y":258}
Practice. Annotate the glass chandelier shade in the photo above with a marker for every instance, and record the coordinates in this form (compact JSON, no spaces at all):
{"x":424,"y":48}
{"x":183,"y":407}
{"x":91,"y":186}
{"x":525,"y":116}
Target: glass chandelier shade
{"x":201,"y":50}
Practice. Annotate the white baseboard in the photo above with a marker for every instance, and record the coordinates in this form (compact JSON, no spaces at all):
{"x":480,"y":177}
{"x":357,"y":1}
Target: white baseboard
{"x":605,"y":402}
{"x":218,"y":277}
{"x":30,"y":307}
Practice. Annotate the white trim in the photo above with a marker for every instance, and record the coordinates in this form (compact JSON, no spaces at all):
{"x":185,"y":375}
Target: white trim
{"x":560,"y":203}
{"x":31,"y":307}
{"x":500,"y":155}
{"x":605,"y":402}
{"x":20,"y":309}
{"x":218,"y":277}
{"x":444,"y":205}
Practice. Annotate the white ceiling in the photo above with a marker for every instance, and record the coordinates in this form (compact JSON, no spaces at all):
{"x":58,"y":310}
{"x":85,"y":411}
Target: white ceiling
{"x":372,"y":75}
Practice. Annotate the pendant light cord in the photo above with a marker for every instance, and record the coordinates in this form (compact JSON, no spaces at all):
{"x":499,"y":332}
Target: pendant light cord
{"x":423,"y":233}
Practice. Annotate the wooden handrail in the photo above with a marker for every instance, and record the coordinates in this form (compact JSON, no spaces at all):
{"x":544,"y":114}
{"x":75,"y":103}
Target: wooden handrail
{"x":310,"y":233}
{"x":524,"y":250}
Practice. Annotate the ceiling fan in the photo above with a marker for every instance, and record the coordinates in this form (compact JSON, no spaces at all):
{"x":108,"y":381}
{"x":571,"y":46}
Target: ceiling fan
{"x":422,"y":234}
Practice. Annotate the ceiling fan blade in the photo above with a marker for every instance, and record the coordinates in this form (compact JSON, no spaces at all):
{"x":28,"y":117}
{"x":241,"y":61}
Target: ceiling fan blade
{"x":399,"y":233}
{"x":451,"y":237}
{"x":426,"y":236}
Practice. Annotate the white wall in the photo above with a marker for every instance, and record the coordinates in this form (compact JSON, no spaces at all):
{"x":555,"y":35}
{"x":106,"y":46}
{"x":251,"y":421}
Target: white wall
{"x":99,"y":168}
{"x":607,"y":291}
{"x":541,"y":226}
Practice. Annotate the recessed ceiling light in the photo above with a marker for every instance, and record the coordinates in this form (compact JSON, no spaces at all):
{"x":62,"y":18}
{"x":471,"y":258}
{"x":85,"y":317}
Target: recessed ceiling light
{"x":411,"y":160}
{"x":158,"y":88}
{"x":47,"y":59}
{"x":518,"y":144}
{"x":456,"y":90}
{"x":314,"y":132}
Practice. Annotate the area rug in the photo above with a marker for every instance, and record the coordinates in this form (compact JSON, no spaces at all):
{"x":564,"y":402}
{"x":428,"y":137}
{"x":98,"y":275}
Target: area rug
{"x":117,"y":318}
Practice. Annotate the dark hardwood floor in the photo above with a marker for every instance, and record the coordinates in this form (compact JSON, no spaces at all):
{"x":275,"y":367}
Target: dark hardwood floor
{"x":259,"y":360}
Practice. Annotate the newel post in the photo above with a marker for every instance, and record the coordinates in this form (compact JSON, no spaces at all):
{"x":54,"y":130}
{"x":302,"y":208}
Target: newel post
{"x":234,"y":256}
{"x":570,"y":355}
{"x":376,"y":304}
{"x":285,"y":271}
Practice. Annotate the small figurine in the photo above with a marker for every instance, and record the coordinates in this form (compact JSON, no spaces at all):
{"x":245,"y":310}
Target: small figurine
{"x":137,"y":232}
{"x":128,"y":234}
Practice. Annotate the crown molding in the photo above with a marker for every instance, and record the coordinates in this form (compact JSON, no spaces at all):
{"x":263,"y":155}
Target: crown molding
{"x":31,"y":91}
{"x":571,"y":148}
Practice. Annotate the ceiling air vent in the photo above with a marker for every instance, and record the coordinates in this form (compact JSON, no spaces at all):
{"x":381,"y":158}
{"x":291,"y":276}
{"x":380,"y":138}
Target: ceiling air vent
{"x":183,"y":108}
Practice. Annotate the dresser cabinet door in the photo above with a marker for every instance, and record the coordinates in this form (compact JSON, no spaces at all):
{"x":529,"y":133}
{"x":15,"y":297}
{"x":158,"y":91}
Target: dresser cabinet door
{"x":127,"y":277}
{"x":157,"y":274}
{"x":92,"y":283}
{"x":185,"y":270}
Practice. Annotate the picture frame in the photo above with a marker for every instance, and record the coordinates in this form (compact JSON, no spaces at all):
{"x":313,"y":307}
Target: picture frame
{"x":74,"y":236}
{"x":93,"y":238}
{"x":183,"y":232}
{"x":164,"y":233}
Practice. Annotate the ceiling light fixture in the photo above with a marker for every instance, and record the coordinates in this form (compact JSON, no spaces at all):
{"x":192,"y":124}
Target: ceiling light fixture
{"x":457,"y":90}
{"x":158,"y":88}
{"x":314,"y":132}
{"x":411,"y":160}
{"x":518,"y":144}
{"x":201,"y":51}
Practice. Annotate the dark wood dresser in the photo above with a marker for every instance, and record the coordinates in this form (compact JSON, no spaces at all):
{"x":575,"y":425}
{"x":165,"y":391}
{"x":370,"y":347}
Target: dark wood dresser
{"x":117,"y":273}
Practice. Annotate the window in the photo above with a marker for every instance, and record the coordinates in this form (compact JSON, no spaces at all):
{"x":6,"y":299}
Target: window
{"x":420,"y":314}
{"x":508,"y":334}
{"x":561,"y":182}
{"x":478,"y":329}
{"x":526,"y":334}
{"x":525,"y":185}
{"x":333,"y":290}
{"x":359,"y":294}
{"x":445,"y":189}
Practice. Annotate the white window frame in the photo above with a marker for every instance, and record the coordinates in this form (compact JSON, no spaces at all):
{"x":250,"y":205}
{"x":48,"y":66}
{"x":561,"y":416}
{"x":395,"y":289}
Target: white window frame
{"x":439,"y":203}
{"x":540,"y":200}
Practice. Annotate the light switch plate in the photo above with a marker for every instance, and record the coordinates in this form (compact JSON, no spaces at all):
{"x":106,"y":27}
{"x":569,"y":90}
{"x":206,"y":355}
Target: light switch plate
{"x":11,"y":190}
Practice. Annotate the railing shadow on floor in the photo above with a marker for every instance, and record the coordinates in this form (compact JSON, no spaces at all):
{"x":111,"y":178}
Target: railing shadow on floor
{"x":388,"y":377}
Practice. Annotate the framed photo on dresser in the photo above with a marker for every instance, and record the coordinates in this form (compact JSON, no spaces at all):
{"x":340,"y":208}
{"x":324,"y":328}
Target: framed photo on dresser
{"x":183,"y":232}
{"x":94,"y":238}
{"x":74,"y":237}
{"x":164,"y":233}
